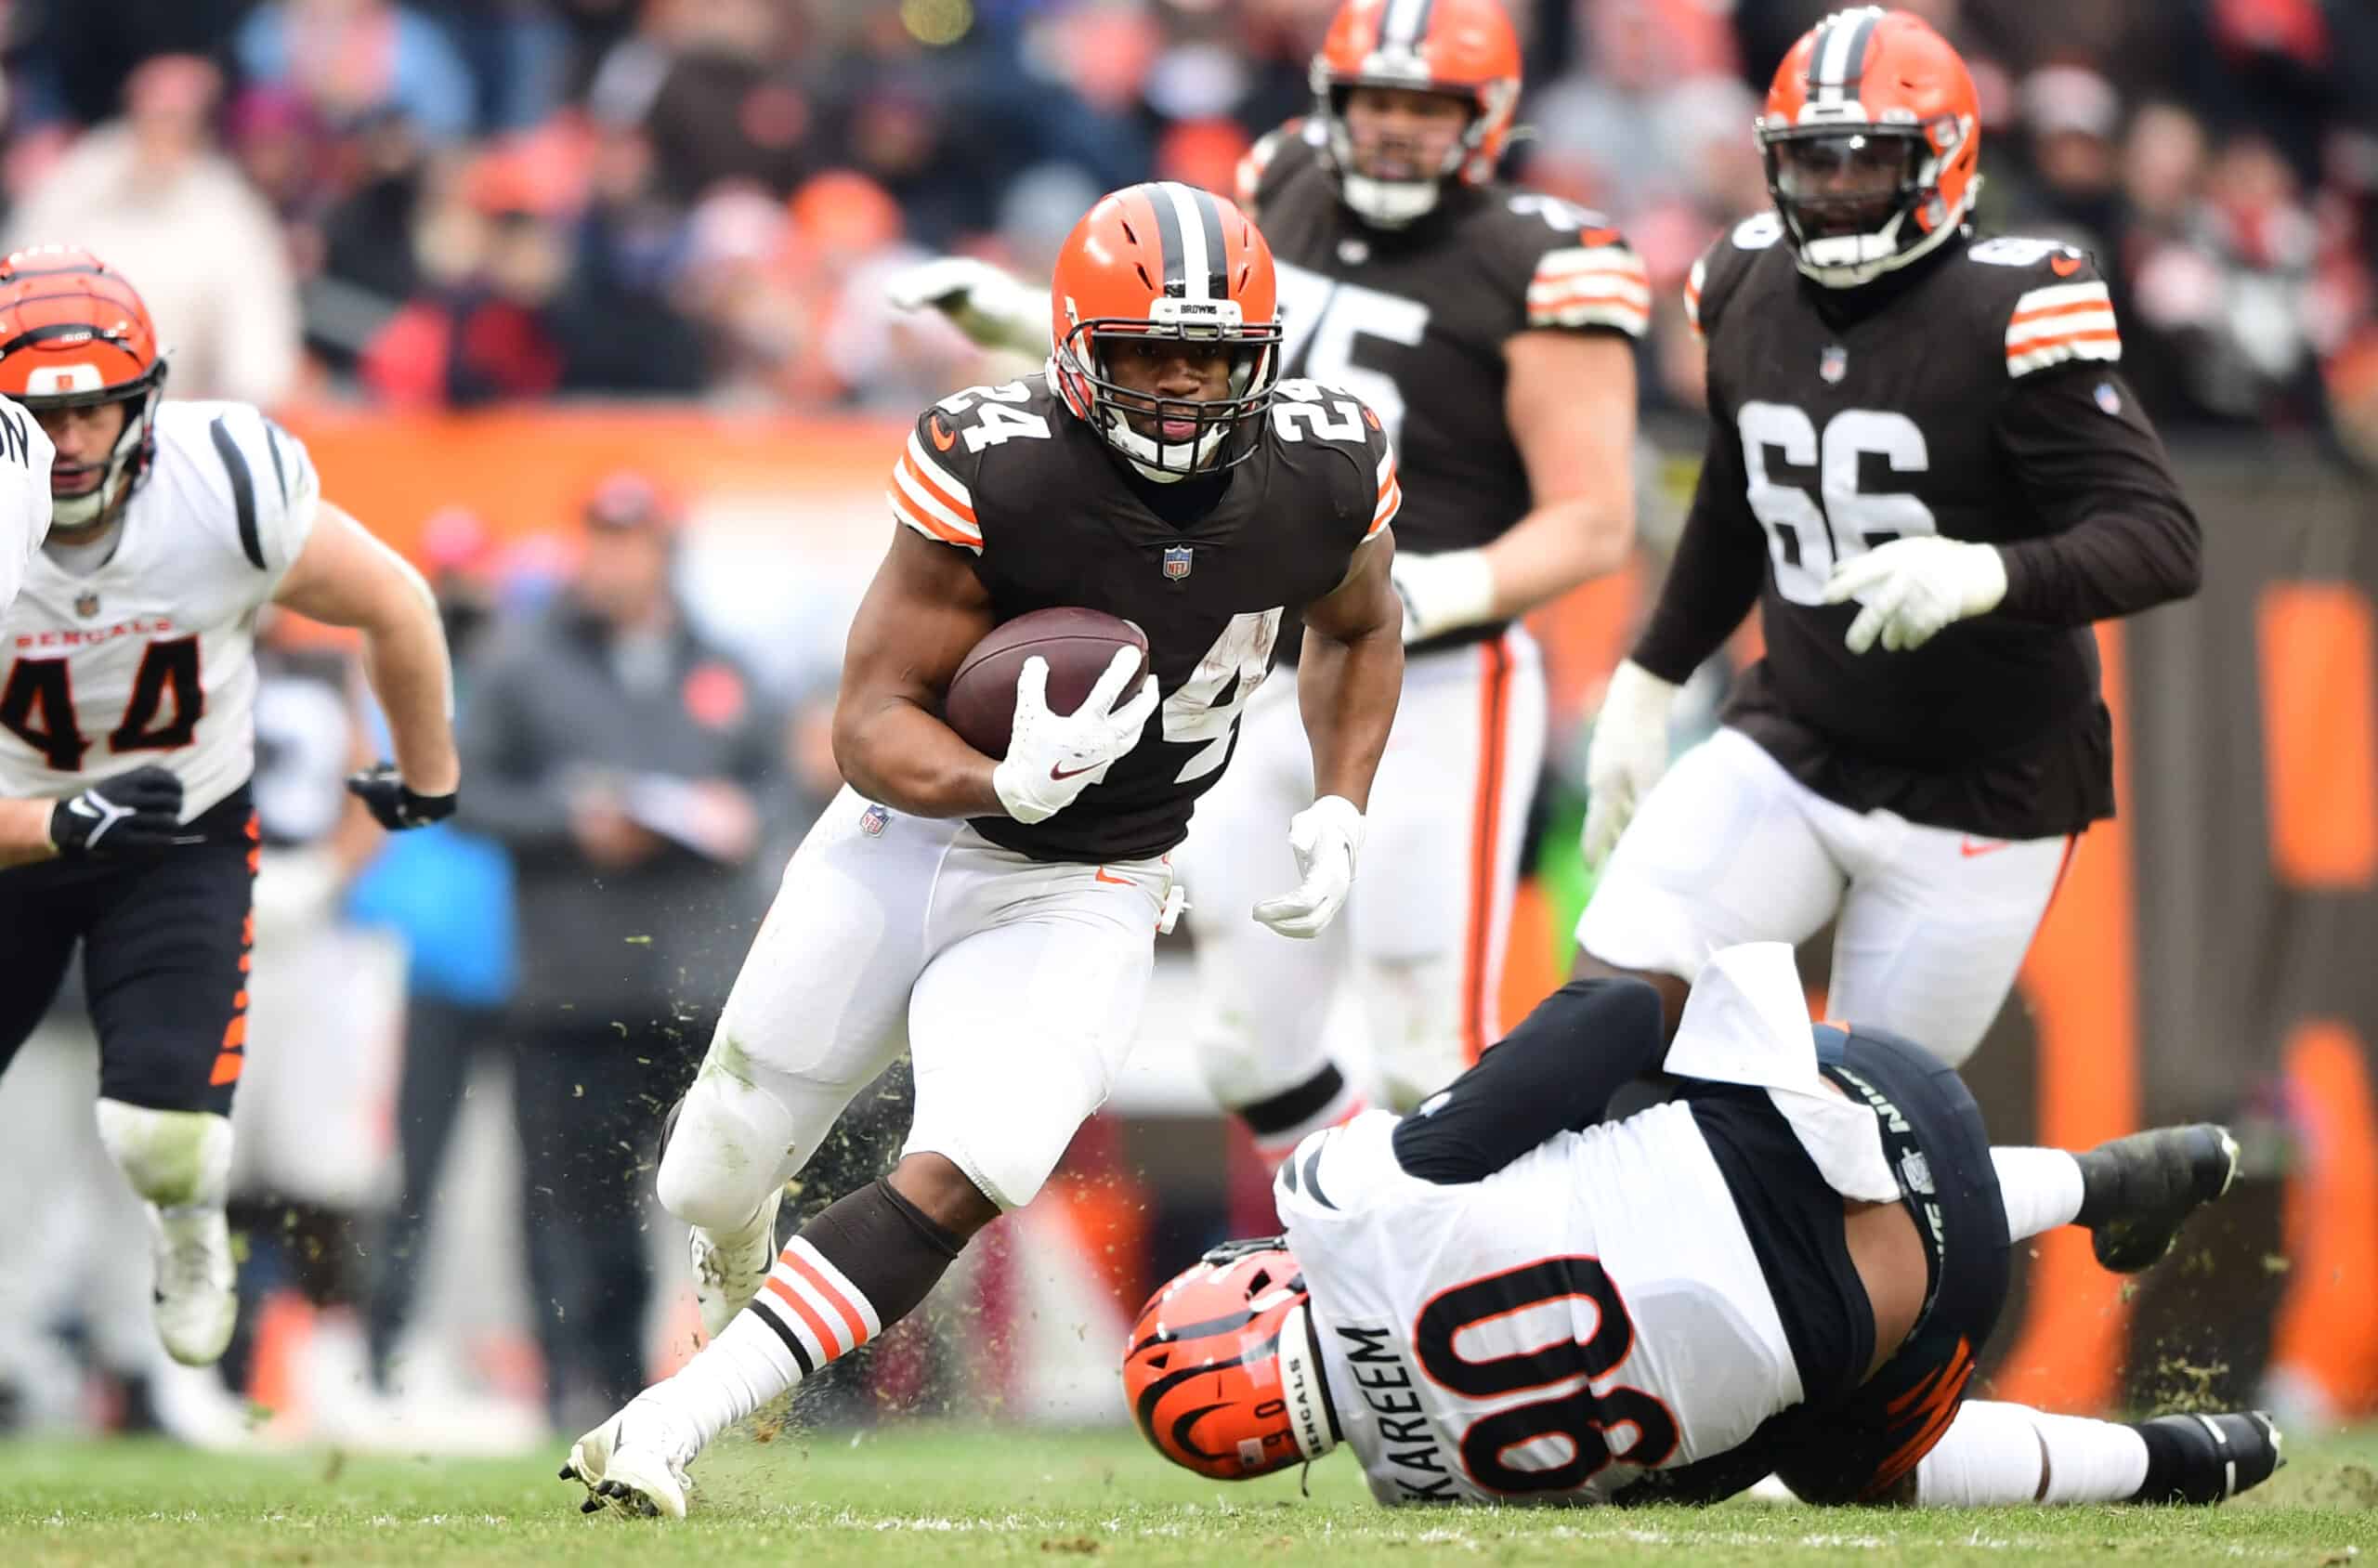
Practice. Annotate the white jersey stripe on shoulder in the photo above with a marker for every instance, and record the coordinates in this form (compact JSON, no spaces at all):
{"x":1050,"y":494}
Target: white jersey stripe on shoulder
{"x":2106,"y":347}
{"x":1589,"y":258}
{"x":1629,"y":286}
{"x":905,"y":511}
{"x":941,"y":476}
{"x":911,"y":495}
{"x":2062,"y":323}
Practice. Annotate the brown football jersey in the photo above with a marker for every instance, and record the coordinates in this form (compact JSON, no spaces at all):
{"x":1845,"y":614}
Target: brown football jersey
{"x":1974,"y":395}
{"x":1050,"y":516}
{"x":1412,"y":321}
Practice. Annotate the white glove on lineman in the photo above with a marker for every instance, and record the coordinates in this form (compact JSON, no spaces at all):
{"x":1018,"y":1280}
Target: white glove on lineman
{"x":1912,"y":587}
{"x":1325,"y":836}
{"x":1628,"y":753}
{"x":988,"y":306}
{"x":1441,"y":592}
{"x":1053,"y":757}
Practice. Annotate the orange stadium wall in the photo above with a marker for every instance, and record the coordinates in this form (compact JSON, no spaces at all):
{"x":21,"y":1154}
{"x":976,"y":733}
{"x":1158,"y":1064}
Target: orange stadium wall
{"x":2213,"y":953}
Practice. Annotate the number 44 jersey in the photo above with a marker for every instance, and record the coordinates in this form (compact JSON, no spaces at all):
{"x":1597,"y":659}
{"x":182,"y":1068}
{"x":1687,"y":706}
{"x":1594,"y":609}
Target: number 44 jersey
{"x":1592,"y":1311}
{"x":145,"y":653}
{"x":1050,"y":516}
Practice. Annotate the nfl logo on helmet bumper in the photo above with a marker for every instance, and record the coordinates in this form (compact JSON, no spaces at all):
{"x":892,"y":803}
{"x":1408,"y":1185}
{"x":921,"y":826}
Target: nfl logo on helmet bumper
{"x":1176,"y":562}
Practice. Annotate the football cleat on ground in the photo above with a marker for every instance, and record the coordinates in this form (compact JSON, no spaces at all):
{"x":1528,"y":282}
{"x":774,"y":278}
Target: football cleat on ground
{"x":196,"y":1300}
{"x":2205,"y":1459}
{"x":636,"y":1462}
{"x":729,"y":1266}
{"x":2136,"y":1192}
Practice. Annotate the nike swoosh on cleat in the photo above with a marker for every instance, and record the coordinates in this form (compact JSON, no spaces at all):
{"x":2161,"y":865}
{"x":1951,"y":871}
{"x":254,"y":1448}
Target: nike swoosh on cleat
{"x":1971,"y":848}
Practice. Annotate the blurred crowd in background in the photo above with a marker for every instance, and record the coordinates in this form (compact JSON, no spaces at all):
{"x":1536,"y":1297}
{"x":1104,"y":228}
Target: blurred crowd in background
{"x":457,"y":202}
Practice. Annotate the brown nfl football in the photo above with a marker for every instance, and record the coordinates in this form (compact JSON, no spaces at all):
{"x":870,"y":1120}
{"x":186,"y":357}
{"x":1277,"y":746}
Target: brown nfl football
{"x":1078,"y":645}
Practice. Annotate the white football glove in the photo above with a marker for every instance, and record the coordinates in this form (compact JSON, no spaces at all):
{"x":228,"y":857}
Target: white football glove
{"x":1325,"y":836}
{"x":1051,"y":758}
{"x":1442,"y":592}
{"x":1628,"y":753}
{"x":1912,"y":587}
{"x":986,"y":304}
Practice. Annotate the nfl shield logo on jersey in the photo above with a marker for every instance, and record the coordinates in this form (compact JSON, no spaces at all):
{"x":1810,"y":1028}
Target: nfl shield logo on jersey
{"x":872,"y":821}
{"x":2109,"y":399}
{"x":1832,"y":364}
{"x":1176,"y":562}
{"x":86,"y":603}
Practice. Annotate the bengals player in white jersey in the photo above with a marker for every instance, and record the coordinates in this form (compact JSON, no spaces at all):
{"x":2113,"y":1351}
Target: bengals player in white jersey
{"x":127,"y":736}
{"x":1788,"y":1268}
{"x":1493,"y":330}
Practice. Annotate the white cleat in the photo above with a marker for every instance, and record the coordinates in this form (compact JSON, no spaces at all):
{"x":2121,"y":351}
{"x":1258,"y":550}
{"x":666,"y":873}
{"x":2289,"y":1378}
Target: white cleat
{"x":196,"y":1300}
{"x":636,"y":1462}
{"x":730,"y":1265}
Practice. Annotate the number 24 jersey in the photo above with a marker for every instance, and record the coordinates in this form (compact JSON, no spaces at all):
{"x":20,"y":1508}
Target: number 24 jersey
{"x":1050,"y":516}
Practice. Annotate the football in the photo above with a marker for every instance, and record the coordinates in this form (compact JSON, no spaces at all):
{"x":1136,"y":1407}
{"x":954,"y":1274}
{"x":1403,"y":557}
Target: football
{"x":1078,"y":645}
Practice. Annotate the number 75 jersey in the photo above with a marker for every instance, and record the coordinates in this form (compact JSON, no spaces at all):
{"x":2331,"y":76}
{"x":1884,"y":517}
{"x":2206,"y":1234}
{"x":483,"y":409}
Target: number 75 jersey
{"x":1591,"y":1311}
{"x":1050,"y":516}
{"x":149,"y":655}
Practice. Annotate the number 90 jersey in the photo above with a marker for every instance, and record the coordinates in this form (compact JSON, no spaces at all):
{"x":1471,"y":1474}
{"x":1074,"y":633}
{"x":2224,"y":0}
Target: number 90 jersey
{"x":1050,"y":516}
{"x":1592,"y":1311}
{"x":1413,"y":320}
{"x":149,"y":657}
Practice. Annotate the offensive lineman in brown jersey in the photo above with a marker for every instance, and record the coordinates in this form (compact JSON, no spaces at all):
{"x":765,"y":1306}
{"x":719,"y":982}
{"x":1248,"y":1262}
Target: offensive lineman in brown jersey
{"x":1491,"y":329}
{"x":999,"y":918}
{"x":1931,"y":426}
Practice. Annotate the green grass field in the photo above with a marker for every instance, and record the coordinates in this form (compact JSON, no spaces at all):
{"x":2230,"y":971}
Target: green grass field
{"x":932,"y":1495}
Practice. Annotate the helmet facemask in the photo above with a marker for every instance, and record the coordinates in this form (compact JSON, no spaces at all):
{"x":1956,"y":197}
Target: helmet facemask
{"x":1397,"y":203}
{"x":1168,"y":439}
{"x":128,"y":462}
{"x":1858,"y":198}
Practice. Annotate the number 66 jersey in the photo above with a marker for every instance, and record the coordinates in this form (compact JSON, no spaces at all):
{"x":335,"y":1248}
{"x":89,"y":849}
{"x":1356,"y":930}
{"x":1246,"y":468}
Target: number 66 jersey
{"x":145,"y":654}
{"x":1976,"y":394}
{"x":1206,"y":568}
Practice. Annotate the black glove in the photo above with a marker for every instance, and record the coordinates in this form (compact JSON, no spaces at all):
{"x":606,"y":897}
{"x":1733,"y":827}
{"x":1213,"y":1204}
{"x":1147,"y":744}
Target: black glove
{"x":397,"y":806}
{"x":136,"y":813}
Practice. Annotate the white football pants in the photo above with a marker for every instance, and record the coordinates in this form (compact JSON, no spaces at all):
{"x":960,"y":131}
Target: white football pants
{"x":1422,"y":934}
{"x":1729,"y":847}
{"x":1014,"y":986}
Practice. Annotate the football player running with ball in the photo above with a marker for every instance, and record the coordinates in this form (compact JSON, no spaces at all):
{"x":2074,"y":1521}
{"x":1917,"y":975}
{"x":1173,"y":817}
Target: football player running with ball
{"x":127,"y":736}
{"x":1492,"y":329}
{"x":1789,"y":1267}
{"x":997,"y":917}
{"x":1924,"y":465}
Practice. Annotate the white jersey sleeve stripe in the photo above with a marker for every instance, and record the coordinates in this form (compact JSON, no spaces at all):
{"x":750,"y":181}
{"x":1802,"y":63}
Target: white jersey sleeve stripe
{"x":1596,"y":259}
{"x":2088,"y":347}
{"x":915,"y":496}
{"x":941,"y":477}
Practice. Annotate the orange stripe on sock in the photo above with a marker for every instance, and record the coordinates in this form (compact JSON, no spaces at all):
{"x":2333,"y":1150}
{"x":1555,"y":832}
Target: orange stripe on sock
{"x":808,"y":1315}
{"x":835,"y":1298}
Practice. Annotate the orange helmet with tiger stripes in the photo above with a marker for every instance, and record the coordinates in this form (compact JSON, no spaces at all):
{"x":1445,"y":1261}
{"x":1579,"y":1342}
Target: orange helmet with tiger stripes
{"x":1223,"y":1368}
{"x":75,"y":333}
{"x":1872,"y":133}
{"x":1170,"y":262}
{"x":1463,"y":49}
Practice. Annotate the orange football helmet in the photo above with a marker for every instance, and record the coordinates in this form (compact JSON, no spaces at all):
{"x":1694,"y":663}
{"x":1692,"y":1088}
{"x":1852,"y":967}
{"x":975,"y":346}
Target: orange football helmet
{"x":1223,"y":1368}
{"x":1872,"y":133}
{"x":73,"y":334}
{"x":1463,"y":49}
{"x":1166,"y":260}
